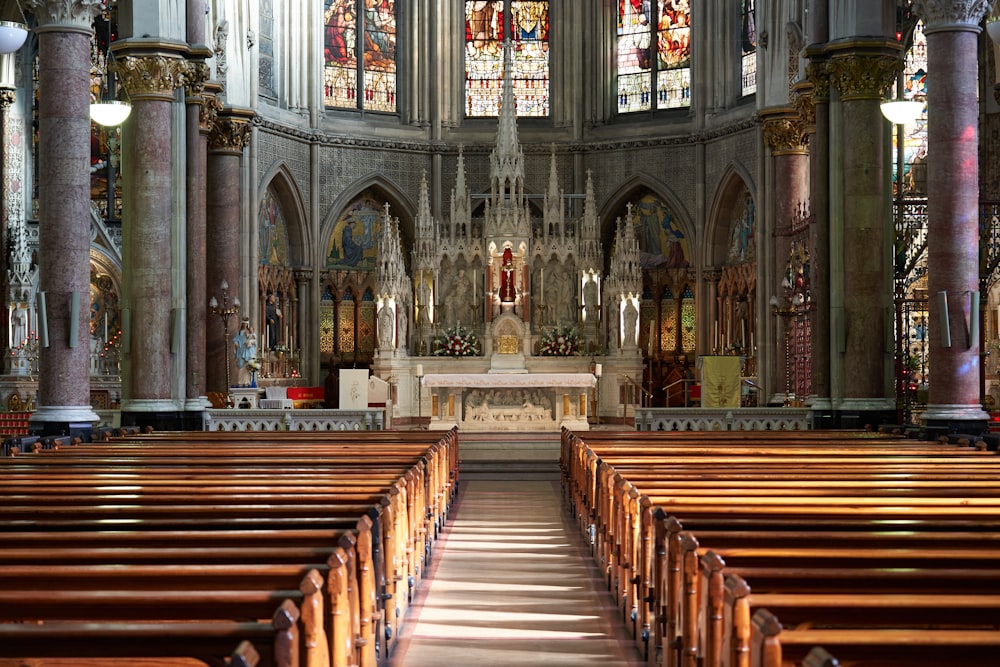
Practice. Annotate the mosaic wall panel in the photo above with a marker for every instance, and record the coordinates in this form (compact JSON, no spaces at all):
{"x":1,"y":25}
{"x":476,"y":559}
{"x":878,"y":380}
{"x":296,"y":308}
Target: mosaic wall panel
{"x":274,"y":149}
{"x":340,"y":167}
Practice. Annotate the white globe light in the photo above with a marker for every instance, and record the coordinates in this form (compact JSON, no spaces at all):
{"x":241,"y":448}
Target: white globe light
{"x":902,"y":112}
{"x":12,"y":36}
{"x":110,"y":113}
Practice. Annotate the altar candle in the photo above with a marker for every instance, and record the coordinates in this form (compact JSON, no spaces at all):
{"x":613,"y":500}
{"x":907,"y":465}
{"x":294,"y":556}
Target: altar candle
{"x":598,"y":370}
{"x":542,"y":280}
{"x":420,"y":370}
{"x":105,"y":327}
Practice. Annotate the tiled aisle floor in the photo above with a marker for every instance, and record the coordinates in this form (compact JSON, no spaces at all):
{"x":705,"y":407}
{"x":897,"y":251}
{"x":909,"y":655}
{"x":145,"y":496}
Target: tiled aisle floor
{"x":512,"y":585}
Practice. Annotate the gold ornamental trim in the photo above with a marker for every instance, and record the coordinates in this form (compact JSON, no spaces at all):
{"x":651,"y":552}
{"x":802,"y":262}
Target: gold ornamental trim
{"x":231,"y":131}
{"x":784,"y":131}
{"x":864,"y":76}
{"x":150,"y":77}
{"x":507,"y":344}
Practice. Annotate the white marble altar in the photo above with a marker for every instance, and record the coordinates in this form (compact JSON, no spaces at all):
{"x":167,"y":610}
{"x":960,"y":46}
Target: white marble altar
{"x":509,"y":401}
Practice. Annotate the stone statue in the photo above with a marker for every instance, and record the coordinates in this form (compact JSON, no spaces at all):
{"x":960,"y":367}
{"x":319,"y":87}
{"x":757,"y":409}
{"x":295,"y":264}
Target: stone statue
{"x":385,"y":322}
{"x":631,"y":315}
{"x":401,"y":321}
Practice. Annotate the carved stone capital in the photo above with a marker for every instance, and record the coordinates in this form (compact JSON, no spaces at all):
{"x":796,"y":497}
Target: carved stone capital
{"x":784,"y":131}
{"x":303,"y":275}
{"x":864,"y":76}
{"x":819,"y":74}
{"x":951,"y":15}
{"x":805,"y":104}
{"x":8,"y":96}
{"x":65,"y":15}
{"x":231,"y":131}
{"x":211,"y":107}
{"x":153,"y":77}
{"x":193,"y":76}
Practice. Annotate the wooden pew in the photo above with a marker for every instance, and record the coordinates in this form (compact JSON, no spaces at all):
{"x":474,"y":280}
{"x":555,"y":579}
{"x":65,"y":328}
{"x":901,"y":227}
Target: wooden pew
{"x":630,"y":549}
{"x":178,"y":509}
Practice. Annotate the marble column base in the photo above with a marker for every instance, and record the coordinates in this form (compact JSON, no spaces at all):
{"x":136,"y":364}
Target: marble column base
{"x":73,"y":420}
{"x":955,"y":419}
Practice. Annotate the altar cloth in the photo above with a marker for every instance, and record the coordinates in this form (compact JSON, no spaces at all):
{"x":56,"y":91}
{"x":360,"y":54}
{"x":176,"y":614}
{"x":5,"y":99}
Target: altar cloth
{"x":495,"y":380}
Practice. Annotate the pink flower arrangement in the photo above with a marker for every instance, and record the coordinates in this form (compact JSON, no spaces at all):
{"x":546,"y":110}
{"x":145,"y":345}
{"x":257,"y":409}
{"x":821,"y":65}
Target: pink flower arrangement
{"x":559,"y":342}
{"x":457,"y":342}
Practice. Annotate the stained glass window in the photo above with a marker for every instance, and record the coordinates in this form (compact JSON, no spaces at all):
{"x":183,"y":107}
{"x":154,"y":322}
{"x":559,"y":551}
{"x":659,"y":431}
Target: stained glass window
{"x":914,"y":135}
{"x":748,"y":43}
{"x":688,"y":318}
{"x":487,"y":24}
{"x":367,"y":27}
{"x":648,"y":80}
{"x":345,"y":324}
{"x":668,"y":316}
{"x":272,"y":232}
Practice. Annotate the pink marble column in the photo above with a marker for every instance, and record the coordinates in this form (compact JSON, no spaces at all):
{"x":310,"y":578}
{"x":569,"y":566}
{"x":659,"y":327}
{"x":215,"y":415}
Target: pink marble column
{"x":64,"y":31}
{"x":201,"y":106}
{"x":862,"y":72}
{"x":150,"y":80}
{"x":229,"y":136}
{"x":784,"y":133}
{"x":952,"y":30}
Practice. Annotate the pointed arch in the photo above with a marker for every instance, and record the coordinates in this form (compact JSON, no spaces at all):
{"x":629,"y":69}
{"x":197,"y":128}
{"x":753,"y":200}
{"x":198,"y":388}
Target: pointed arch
{"x":400,"y":206}
{"x":728,"y":202}
{"x":681,"y":228}
{"x":281,"y":183}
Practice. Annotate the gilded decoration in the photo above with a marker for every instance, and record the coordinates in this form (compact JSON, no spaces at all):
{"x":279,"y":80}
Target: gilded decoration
{"x":194,"y":75}
{"x":944,"y":14}
{"x":229,"y":133}
{"x":805,"y":104}
{"x":507,"y":345}
{"x":864,"y":76}
{"x":786,"y":135}
{"x":819,"y":74}
{"x":211,"y":106}
{"x":153,"y":77}
{"x":53,"y":15}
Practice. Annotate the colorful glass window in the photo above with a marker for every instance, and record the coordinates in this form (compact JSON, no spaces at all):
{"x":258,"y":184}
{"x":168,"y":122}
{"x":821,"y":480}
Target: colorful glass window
{"x":748,"y":43}
{"x":366,"y":27}
{"x":651,"y":79}
{"x":487,"y":24}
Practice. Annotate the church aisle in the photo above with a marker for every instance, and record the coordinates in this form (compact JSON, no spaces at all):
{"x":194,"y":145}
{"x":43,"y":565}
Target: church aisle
{"x":513,"y":585}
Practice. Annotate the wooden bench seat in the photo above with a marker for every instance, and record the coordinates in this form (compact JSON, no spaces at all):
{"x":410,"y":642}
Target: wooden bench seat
{"x":247,"y":517}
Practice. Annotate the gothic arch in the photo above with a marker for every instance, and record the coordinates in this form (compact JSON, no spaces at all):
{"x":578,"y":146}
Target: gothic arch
{"x":733,"y":183}
{"x":300,"y":242}
{"x":632,"y":191}
{"x":400,"y":206}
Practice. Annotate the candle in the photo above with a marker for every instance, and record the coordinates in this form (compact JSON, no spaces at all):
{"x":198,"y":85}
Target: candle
{"x":105,"y":327}
{"x":541,"y":293}
{"x":475,"y":285}
{"x":420,"y":370}
{"x":598,"y":369}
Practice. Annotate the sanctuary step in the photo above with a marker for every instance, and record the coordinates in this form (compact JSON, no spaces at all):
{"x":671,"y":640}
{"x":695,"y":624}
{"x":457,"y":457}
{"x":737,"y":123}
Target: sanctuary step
{"x":508,"y":447}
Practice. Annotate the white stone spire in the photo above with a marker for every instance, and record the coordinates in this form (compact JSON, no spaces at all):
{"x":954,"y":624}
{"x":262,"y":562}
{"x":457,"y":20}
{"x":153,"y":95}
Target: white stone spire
{"x":507,"y":214}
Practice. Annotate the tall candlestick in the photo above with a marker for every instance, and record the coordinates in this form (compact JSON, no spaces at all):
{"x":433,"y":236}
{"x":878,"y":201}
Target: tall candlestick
{"x":475,"y":289}
{"x":541,"y":292}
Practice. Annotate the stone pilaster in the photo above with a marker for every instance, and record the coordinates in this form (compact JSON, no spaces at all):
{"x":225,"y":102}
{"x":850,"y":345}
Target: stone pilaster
{"x":861,"y":72}
{"x":952,"y":29}
{"x":228,"y":138}
{"x":818,"y":73}
{"x":150,"y":81}
{"x":199,"y":101}
{"x":64,"y":31}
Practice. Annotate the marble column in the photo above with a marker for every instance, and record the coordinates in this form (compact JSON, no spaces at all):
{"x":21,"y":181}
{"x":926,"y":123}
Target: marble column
{"x":202,"y":106}
{"x":819,"y":231}
{"x":952,"y":29}
{"x":64,"y":31}
{"x":229,"y":137}
{"x":861,"y":72}
{"x":148,"y":151}
{"x":785,"y":136}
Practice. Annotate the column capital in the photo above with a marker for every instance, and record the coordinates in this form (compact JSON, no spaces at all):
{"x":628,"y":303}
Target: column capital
{"x":804,"y":101}
{"x":820,"y":75}
{"x":8,"y":96}
{"x":193,"y":76}
{"x":951,"y":15}
{"x":711,"y":276}
{"x":303,"y":274}
{"x":862,"y":74}
{"x":65,"y":15}
{"x":151,"y":77}
{"x":211,"y":106}
{"x":784,"y":131}
{"x":230,"y":133}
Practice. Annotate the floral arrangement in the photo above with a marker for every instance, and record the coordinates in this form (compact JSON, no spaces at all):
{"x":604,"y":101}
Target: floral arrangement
{"x":457,"y":341}
{"x":253,"y":365}
{"x":559,"y":342}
